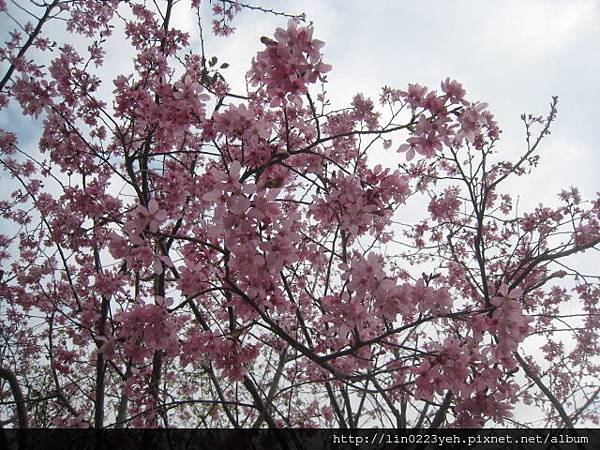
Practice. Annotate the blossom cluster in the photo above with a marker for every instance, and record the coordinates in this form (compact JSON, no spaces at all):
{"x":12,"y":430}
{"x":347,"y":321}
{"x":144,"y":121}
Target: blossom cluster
{"x":177,"y":251}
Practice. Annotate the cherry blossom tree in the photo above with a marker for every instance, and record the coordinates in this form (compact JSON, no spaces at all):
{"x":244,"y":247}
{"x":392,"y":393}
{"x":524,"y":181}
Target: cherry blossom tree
{"x":178,"y":254}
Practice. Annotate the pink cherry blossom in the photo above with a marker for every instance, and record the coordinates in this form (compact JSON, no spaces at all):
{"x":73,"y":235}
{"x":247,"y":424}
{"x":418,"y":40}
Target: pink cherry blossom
{"x":183,"y":248}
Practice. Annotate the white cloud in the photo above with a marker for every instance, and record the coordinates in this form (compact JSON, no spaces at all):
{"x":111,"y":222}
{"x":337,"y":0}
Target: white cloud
{"x":538,"y":28}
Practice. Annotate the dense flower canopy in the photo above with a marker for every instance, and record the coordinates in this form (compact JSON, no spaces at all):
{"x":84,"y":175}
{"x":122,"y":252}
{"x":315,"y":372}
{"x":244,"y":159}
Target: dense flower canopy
{"x":177,"y":254}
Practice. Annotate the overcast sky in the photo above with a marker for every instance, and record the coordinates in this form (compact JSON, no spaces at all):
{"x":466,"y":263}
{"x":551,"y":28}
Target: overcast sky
{"x":514,"y":55}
